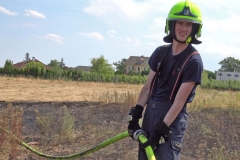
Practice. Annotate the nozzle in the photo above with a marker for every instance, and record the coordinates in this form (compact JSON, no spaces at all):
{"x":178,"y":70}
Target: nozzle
{"x":137,"y":133}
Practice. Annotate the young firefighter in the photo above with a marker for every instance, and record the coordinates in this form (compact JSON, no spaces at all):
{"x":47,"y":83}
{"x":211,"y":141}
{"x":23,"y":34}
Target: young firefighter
{"x":165,"y":119}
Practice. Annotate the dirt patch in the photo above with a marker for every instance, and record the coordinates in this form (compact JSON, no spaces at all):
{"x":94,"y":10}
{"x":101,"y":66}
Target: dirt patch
{"x":212,"y":133}
{"x":94,"y":123}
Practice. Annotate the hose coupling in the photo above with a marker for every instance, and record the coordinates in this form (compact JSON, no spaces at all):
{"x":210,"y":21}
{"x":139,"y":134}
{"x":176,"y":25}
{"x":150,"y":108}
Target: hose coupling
{"x":137,"y":133}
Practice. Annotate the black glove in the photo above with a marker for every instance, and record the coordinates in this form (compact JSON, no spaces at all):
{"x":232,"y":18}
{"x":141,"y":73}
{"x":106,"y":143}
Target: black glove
{"x":133,"y":118}
{"x":161,"y":132}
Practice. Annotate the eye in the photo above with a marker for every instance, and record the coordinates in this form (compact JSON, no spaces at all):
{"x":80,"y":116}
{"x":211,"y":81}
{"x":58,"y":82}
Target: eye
{"x":179,"y":22}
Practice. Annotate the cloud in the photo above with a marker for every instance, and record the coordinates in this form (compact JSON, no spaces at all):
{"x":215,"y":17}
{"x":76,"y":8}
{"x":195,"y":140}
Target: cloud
{"x":54,"y":38}
{"x":128,"y":8}
{"x":155,"y":36}
{"x":131,"y":8}
{"x":151,"y":44}
{"x":93,"y":35}
{"x":133,"y":41}
{"x":219,"y":4}
{"x":138,"y":43}
{"x":28,"y":25}
{"x":5,"y":11}
{"x":226,"y":25}
{"x":129,"y":40}
{"x":212,"y":46}
{"x":31,"y":13}
{"x":160,"y":22}
{"x":112,"y":33}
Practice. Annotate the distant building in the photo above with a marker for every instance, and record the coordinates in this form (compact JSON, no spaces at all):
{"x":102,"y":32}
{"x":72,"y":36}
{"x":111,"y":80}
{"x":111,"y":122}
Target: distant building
{"x":22,"y":64}
{"x":137,"y":64}
{"x":83,"y":68}
{"x":223,"y":75}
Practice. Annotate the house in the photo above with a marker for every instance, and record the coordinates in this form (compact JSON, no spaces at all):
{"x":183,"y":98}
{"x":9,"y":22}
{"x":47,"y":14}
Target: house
{"x":83,"y":68}
{"x":137,"y":64}
{"x":223,"y":75}
{"x":22,"y":64}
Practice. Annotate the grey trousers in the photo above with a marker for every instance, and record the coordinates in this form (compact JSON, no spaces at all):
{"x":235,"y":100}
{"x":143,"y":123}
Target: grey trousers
{"x":171,"y":149}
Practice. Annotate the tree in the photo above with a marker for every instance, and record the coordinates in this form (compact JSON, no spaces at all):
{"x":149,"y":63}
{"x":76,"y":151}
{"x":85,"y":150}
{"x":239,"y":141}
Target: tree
{"x":210,"y":74}
{"x":230,"y":64}
{"x":27,"y":57}
{"x":205,"y":76}
{"x":55,"y":67}
{"x":35,"y":69}
{"x":62,"y":64}
{"x":101,"y":66}
{"x":8,"y":66}
{"x":120,"y":66}
{"x":54,"y":63}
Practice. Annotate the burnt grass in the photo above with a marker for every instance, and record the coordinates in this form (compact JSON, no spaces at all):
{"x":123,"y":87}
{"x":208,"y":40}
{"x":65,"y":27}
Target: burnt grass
{"x":213,"y":133}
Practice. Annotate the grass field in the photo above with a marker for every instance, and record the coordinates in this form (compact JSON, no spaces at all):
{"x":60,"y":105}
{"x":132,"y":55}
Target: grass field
{"x":64,"y":117}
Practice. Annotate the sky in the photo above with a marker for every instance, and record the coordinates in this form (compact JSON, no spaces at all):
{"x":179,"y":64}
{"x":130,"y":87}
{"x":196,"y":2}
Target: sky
{"x":78,"y":31}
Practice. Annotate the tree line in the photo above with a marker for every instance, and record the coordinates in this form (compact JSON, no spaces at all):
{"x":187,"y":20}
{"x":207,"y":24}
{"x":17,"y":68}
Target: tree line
{"x":102,"y":71}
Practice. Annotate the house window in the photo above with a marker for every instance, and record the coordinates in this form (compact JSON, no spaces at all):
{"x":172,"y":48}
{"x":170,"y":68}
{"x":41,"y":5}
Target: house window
{"x":220,"y":74}
{"x":144,"y":68}
{"x":132,"y":68}
{"x":236,"y":75}
{"x":138,"y":69}
{"x":229,"y":75}
{"x":129,"y":68}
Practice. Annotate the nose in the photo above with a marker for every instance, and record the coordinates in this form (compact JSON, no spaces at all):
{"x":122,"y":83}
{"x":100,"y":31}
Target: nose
{"x":184,"y":27}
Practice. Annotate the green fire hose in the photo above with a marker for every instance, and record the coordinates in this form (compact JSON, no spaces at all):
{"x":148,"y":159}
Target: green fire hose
{"x":116,"y":138}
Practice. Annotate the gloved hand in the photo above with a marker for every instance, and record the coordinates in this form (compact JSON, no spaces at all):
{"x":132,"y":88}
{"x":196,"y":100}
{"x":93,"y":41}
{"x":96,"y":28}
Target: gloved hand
{"x":161,"y":132}
{"x":133,"y":118}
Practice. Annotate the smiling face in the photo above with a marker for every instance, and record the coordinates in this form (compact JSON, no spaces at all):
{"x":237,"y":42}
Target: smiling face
{"x":182,"y":30}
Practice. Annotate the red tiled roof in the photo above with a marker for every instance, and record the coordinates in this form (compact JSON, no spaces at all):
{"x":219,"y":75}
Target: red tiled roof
{"x":21,"y":65}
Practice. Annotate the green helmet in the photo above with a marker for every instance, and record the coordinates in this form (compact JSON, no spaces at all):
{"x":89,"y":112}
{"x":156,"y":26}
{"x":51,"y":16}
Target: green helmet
{"x":187,"y":11}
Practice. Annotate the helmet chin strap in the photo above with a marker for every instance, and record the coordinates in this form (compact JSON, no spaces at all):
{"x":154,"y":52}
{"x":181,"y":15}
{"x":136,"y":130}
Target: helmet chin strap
{"x":189,"y":39}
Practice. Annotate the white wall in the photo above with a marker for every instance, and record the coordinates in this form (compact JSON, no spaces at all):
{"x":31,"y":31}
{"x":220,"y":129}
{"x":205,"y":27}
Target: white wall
{"x":221,"y":75}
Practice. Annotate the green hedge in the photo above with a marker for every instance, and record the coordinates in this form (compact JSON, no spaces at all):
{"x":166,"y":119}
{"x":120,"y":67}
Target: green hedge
{"x":77,"y":75}
{"x":233,"y":85}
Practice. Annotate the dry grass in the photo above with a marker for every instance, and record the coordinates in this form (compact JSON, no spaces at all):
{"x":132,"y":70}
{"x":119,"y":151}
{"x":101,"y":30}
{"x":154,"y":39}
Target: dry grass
{"x":36,"y":90}
{"x":216,"y":99}
{"x":212,"y":134}
{"x":10,"y":120}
